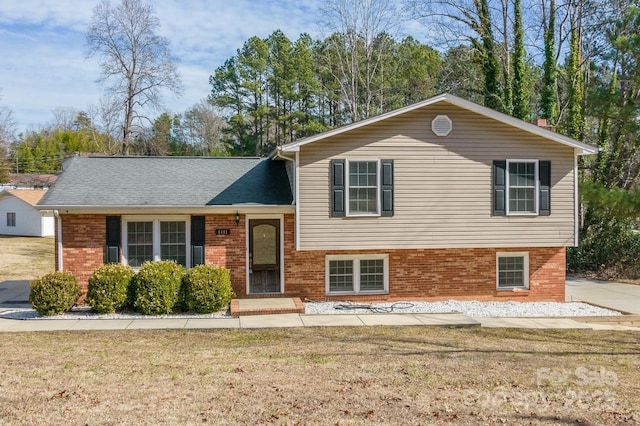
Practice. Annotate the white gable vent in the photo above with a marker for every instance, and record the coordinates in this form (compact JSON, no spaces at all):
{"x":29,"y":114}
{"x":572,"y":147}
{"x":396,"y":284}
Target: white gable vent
{"x":441,"y":125}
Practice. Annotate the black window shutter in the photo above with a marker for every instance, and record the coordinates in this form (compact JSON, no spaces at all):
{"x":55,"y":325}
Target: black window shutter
{"x":338,"y":192}
{"x":197,"y":240}
{"x":386,"y":189}
{"x":499,"y":187}
{"x":544,"y":170}
{"x":112,"y":253}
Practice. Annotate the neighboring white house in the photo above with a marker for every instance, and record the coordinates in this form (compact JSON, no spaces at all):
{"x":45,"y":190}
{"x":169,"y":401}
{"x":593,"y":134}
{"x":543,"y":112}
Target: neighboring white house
{"x":18,"y":216}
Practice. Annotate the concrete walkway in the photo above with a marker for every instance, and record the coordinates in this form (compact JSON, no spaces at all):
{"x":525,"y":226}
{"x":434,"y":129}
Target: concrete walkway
{"x":301,"y":320}
{"x":624,"y":297}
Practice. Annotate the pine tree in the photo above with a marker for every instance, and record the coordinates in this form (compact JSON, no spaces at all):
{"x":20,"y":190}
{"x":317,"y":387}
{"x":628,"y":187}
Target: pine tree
{"x":549,"y":100}
{"x":520,"y":109}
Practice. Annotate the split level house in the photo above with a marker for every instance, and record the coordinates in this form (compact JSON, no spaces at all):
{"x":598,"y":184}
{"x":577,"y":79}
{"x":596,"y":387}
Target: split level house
{"x":438,"y":200}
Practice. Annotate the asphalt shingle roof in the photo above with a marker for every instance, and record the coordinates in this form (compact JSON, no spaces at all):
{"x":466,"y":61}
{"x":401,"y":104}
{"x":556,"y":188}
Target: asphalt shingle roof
{"x":29,"y":196}
{"x":170,"y":181}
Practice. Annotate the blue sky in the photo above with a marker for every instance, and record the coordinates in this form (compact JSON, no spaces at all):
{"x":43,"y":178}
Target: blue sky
{"x":43,"y":65}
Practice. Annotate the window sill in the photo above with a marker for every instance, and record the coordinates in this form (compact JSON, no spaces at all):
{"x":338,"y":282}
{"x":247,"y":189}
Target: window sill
{"x":511,"y":292}
{"x":353,"y":293}
{"x":522,"y":214}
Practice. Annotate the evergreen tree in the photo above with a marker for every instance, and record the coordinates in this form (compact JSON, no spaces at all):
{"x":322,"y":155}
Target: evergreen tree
{"x":574,"y":123}
{"x":549,"y":100}
{"x":520,"y":94}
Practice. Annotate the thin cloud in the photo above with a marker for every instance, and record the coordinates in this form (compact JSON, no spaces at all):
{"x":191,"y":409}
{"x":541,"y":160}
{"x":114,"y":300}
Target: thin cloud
{"x":43,"y":65}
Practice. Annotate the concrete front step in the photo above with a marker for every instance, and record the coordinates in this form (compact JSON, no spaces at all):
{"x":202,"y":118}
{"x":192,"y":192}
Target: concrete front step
{"x":266,"y":306}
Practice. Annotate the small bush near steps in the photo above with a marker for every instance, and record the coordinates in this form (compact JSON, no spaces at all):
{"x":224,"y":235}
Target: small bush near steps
{"x":108,"y":287}
{"x":157,"y":287}
{"x":54,"y":293}
{"x":207,"y":289}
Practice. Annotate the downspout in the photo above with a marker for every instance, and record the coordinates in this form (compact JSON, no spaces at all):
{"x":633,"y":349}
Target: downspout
{"x":56,"y":214}
{"x":295,"y":192}
{"x":295,"y":172}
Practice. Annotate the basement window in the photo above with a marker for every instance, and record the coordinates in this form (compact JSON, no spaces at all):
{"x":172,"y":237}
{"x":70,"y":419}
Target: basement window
{"x":366,"y":274}
{"x":512,"y":271}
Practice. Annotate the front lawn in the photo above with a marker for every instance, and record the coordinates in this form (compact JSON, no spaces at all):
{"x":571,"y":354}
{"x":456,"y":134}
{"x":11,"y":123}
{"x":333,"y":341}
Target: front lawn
{"x":25,"y":258}
{"x":375,"y":375}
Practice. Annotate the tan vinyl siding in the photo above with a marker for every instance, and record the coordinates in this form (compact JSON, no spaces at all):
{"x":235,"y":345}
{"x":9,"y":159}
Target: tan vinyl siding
{"x":443,"y":186}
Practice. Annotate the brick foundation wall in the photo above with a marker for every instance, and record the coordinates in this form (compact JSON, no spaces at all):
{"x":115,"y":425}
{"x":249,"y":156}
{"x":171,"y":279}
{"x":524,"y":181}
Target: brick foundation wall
{"x":416,"y":274}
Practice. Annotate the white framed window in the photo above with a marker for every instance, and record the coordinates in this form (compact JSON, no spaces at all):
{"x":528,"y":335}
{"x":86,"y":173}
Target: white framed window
{"x":363,"y":187}
{"x":11,"y":219}
{"x":522,"y":182}
{"x":357,"y":274}
{"x":512,"y":270}
{"x":147,"y":238}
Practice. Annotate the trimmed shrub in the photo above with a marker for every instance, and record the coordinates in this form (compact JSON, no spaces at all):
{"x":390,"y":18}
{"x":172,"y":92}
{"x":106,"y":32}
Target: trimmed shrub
{"x":54,"y":293}
{"x":207,"y":288}
{"x":157,"y":287}
{"x":109,"y":286}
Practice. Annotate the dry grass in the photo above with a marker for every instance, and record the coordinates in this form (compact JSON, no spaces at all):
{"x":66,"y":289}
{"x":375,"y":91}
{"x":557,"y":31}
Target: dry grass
{"x":374,"y":375}
{"x":25,"y":258}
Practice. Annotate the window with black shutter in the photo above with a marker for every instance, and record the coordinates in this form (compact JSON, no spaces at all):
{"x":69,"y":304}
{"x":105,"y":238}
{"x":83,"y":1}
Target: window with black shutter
{"x":361,"y":188}
{"x":521,"y":187}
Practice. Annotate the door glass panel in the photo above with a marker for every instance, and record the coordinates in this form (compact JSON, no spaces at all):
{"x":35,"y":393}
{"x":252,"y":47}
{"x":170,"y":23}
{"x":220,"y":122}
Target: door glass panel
{"x":264,"y":245}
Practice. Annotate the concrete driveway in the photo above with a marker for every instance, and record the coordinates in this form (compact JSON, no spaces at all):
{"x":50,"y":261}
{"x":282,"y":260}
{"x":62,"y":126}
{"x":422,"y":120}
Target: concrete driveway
{"x":14,"y":294}
{"x":608,"y":294}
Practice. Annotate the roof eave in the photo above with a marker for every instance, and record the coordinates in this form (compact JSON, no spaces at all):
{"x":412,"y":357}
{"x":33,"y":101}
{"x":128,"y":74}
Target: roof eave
{"x":132,"y":209}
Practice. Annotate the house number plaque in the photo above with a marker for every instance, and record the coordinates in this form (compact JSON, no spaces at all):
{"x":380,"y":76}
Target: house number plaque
{"x":223,"y":231}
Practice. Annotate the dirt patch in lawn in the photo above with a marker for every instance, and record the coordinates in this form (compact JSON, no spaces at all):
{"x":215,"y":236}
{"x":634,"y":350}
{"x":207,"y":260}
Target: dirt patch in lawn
{"x":25,"y":258}
{"x":373,"y":375}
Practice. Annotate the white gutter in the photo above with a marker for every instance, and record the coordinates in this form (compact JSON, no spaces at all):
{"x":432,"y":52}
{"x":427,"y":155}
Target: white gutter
{"x":124,"y":209}
{"x":56,"y":214}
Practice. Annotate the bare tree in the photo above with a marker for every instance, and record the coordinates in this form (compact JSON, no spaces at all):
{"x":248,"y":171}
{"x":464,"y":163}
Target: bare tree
{"x":136,"y":62}
{"x":356,"y":48}
{"x":64,"y":117}
{"x":201,"y":127}
{"x":7,"y":127}
{"x":469,"y":21}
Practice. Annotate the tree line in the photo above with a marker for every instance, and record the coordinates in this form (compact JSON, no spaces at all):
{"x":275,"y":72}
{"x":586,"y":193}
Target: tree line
{"x":573,"y":62}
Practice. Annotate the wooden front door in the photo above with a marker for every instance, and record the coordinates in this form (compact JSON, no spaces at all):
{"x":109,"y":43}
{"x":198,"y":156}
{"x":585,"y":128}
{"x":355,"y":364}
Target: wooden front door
{"x":264,"y":256}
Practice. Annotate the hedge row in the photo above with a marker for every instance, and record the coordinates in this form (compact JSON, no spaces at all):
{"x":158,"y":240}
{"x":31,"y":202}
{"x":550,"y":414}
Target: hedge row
{"x":158,"y":288}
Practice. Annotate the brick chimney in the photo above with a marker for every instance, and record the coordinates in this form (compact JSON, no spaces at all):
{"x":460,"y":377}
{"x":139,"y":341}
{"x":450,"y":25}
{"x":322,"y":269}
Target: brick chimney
{"x":540,"y":122}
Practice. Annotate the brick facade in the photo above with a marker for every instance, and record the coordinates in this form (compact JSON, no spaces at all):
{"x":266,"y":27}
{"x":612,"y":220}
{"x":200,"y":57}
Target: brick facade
{"x":425,"y":274}
{"x":432,"y":274}
{"x":83,"y":245}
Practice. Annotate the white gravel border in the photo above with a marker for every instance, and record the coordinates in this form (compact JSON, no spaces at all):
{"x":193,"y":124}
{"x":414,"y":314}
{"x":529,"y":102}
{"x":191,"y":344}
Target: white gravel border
{"x":85,"y":314}
{"x":470,"y":308}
